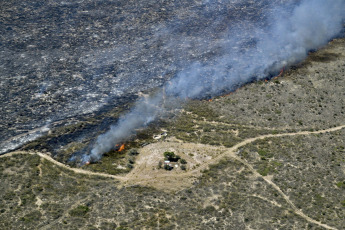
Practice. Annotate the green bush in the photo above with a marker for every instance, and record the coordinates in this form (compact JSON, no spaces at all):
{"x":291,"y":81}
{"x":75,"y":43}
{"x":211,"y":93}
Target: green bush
{"x":133,"y":152}
{"x":131,"y":160}
{"x":168,"y":167}
{"x":160,"y":164}
{"x":264,"y":153}
{"x":341,"y":184}
{"x":170,"y":156}
{"x":81,"y":210}
{"x":33,"y":216}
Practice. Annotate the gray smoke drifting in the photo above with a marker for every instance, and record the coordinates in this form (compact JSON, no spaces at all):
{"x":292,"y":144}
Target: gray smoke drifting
{"x":293,"y":29}
{"x":310,"y":25}
{"x":144,"y":112}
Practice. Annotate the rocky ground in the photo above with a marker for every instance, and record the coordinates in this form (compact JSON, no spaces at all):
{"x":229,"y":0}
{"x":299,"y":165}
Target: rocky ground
{"x":256,"y":159}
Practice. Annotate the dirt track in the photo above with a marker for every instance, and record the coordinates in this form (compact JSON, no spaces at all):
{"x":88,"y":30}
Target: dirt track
{"x":136,"y":177}
{"x":230,"y":152}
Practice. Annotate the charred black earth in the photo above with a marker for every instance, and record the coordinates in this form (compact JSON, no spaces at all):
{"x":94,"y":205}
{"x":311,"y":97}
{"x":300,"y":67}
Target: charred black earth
{"x":65,"y":61}
{"x":268,"y":156}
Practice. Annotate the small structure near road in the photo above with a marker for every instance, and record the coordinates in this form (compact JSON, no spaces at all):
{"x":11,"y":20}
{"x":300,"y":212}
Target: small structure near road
{"x":172,"y":161}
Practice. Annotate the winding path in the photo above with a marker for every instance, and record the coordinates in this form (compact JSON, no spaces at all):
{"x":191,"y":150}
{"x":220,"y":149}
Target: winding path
{"x":230,"y":152}
{"x":75,"y":170}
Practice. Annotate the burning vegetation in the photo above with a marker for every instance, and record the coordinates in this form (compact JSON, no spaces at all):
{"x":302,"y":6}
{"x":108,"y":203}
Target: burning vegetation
{"x":119,"y":148}
{"x":282,"y":38}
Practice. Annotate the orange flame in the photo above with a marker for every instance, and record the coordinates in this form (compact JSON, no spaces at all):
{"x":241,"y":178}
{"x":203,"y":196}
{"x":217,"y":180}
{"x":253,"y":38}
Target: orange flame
{"x":121,"y":148}
{"x":280,"y":74}
{"x":226,"y":95}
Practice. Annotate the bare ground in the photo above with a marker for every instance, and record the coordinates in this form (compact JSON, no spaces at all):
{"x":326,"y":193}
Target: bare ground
{"x":146,"y":173}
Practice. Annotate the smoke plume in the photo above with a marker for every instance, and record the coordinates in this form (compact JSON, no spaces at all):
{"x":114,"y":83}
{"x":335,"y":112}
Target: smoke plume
{"x":291,"y":31}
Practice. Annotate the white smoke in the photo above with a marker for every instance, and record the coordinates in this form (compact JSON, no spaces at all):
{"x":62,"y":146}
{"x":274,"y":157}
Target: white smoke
{"x":144,"y":112}
{"x":309,"y":26}
{"x":292,"y":32}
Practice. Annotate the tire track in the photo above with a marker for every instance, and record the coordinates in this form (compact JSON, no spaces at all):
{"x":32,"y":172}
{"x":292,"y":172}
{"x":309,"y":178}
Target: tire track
{"x":231,"y":152}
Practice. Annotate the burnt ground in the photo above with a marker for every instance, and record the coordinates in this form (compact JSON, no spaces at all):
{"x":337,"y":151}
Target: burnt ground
{"x":65,"y":62}
{"x":266,"y":185}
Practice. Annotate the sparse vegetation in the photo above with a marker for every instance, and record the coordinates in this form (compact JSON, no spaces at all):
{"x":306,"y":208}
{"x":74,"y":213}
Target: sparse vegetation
{"x":81,"y":210}
{"x":308,"y":169}
{"x":133,"y":152}
{"x":160,"y":164}
{"x":341,"y":184}
{"x":168,"y":167}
